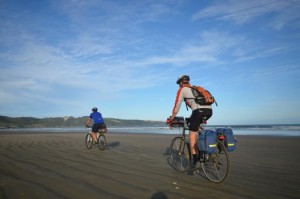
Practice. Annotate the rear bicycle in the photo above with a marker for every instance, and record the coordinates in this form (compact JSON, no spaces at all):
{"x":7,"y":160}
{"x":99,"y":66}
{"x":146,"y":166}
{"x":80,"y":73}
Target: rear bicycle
{"x":100,"y":137}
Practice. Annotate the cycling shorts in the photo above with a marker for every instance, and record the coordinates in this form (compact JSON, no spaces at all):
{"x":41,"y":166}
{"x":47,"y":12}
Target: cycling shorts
{"x":196,"y":118}
{"x":96,"y":127}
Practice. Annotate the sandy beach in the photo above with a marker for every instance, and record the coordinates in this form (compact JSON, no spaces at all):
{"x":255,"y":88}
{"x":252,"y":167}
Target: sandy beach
{"x":58,"y":165}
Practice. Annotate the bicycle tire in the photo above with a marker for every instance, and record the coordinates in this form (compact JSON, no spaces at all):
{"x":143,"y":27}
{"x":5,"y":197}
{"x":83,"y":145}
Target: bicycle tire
{"x":179,"y":154}
{"x":216,"y":168}
{"x":101,"y":141}
{"x":88,"y":141}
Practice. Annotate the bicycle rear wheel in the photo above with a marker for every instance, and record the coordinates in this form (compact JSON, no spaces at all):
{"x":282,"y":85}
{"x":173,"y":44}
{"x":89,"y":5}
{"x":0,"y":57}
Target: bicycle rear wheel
{"x":88,"y":141}
{"x":179,"y":154}
{"x":216,"y":168}
{"x":101,"y":142}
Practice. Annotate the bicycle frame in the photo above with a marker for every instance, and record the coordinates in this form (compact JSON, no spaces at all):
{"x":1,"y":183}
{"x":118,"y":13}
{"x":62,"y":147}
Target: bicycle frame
{"x":214,"y":165}
{"x":100,"y":137}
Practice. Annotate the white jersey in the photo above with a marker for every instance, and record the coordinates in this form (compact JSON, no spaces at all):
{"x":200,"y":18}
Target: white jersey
{"x":184,"y":93}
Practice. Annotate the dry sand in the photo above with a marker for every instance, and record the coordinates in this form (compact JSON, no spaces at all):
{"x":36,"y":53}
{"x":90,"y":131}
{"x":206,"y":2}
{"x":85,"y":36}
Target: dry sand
{"x":58,"y":165}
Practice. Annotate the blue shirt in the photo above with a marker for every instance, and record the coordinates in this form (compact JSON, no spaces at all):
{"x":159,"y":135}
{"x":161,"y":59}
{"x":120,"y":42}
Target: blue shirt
{"x":97,"y":117}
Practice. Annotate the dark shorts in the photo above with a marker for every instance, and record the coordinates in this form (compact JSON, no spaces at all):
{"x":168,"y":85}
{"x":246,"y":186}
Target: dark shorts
{"x":196,"y":117}
{"x":96,"y":127}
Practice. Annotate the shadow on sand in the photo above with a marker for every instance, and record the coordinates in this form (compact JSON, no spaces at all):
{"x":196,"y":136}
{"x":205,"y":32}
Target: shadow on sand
{"x":113,"y":145}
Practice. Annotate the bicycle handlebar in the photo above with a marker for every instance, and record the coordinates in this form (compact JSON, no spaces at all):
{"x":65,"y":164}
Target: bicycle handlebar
{"x":182,"y":122}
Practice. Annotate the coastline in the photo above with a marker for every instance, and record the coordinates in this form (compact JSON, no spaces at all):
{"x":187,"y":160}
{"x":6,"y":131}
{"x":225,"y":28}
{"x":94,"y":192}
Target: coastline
{"x":58,"y":165}
{"x":159,"y":130}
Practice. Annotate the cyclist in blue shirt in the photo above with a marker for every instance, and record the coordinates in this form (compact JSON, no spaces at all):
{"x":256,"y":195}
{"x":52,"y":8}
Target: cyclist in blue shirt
{"x":98,"y":122}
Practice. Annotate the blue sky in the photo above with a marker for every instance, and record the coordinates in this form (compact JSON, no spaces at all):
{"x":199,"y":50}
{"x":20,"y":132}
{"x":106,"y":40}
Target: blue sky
{"x":61,"y":58}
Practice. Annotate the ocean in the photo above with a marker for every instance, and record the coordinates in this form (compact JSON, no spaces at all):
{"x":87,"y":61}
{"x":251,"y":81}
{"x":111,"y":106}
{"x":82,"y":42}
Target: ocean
{"x":272,"y":130}
{"x":279,"y":130}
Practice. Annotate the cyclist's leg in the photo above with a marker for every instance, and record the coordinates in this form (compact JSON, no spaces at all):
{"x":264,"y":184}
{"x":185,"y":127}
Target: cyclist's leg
{"x":195,"y":121}
{"x":207,"y":113}
{"x":94,"y":136}
{"x":95,"y":129}
{"x":193,"y":146}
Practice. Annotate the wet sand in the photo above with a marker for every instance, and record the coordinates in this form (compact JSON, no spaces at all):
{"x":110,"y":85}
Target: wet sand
{"x":58,"y":165}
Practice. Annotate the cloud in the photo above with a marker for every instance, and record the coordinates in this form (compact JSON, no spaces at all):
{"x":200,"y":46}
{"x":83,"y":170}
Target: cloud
{"x":241,"y":12}
{"x":94,"y":58}
{"x":42,"y":67}
{"x":57,"y":55}
{"x":276,"y":73}
{"x":266,"y":76}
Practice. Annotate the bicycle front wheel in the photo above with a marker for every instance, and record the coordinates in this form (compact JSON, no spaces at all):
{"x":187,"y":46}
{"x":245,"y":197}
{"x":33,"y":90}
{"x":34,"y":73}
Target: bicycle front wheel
{"x":88,"y":141}
{"x":101,"y":142}
{"x":179,"y":154}
{"x":216,"y":167}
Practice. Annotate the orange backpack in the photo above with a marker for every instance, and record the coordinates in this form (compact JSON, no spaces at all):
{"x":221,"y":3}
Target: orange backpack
{"x":202,"y":96}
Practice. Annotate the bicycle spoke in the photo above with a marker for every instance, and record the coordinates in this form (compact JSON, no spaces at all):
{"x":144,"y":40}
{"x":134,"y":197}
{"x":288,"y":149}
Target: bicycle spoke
{"x":217,"y":167}
{"x":88,"y":141}
{"x":179,"y":158}
{"x":101,"y":142}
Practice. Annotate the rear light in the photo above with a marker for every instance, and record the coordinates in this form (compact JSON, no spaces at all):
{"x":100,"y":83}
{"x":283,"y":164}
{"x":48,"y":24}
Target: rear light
{"x":221,"y":137}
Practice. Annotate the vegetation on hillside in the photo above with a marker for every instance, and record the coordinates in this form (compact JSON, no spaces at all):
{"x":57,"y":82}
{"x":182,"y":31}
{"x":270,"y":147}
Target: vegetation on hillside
{"x":61,"y":122}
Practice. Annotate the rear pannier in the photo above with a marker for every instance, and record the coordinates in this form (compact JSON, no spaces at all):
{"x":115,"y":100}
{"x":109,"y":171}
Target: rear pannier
{"x":207,"y":141}
{"x":230,"y":141}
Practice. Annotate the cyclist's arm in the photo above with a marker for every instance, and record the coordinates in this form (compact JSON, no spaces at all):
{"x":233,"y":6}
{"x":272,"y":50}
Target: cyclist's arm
{"x":88,"y":121}
{"x":178,"y":101}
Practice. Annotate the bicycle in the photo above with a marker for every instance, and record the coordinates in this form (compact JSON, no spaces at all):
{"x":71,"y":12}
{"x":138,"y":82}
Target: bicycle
{"x":100,"y":138}
{"x":215,"y":165}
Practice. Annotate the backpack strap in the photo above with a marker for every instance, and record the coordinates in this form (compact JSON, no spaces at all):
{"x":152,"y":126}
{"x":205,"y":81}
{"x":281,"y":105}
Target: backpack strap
{"x":216,"y":102}
{"x":186,"y":98}
{"x":194,"y":87}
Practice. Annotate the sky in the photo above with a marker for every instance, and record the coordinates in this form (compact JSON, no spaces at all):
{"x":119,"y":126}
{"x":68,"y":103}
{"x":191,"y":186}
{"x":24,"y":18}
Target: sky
{"x":61,"y":58}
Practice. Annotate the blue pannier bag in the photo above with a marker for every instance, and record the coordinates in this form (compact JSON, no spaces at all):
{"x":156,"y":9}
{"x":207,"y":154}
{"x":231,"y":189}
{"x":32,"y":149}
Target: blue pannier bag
{"x":207,"y":141}
{"x":230,"y":141}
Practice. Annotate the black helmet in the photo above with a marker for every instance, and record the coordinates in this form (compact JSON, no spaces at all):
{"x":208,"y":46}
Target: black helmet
{"x":183,"y":78}
{"x":95,"y":109}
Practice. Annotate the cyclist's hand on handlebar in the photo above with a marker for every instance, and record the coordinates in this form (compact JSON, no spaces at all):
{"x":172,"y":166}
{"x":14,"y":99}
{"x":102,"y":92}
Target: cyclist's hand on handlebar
{"x":169,"y":121}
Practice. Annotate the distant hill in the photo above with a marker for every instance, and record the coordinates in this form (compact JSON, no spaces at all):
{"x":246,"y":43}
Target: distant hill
{"x":60,"y":122}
